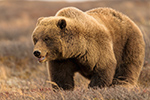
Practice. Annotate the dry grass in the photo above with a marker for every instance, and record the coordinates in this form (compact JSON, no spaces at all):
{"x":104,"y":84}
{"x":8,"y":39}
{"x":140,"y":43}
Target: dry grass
{"x":21,"y":77}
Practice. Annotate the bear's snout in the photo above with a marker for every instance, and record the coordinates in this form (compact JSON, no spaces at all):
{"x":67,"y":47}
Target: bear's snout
{"x":37,"y":54}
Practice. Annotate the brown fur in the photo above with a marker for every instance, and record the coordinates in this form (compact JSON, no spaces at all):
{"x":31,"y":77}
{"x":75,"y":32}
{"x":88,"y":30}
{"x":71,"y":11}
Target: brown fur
{"x":102,"y":44}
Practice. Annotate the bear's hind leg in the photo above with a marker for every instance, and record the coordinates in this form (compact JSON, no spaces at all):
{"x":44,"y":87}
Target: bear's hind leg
{"x":127,"y":75}
{"x":132,"y":62}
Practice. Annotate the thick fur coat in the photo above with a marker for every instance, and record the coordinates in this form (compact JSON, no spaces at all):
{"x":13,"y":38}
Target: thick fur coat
{"x":102,"y":44}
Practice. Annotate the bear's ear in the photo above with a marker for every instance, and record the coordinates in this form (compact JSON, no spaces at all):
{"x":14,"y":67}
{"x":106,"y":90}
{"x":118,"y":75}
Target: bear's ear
{"x":38,"y":21}
{"x":61,"y":23}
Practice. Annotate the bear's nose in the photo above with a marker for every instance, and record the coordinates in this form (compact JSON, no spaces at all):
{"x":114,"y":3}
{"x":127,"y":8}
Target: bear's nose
{"x":37,"y":54}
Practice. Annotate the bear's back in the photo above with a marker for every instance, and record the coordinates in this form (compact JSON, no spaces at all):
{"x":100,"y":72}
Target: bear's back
{"x":119,"y":25}
{"x":112,"y":19}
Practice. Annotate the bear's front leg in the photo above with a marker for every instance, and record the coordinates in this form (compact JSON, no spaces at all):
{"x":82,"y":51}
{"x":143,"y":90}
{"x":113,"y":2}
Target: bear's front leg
{"x":62,"y":72}
{"x":104,"y":70}
{"x":102,"y":77}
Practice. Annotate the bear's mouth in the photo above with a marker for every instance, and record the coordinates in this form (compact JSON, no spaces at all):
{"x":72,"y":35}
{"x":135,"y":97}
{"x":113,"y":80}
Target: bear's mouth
{"x":42,"y":59}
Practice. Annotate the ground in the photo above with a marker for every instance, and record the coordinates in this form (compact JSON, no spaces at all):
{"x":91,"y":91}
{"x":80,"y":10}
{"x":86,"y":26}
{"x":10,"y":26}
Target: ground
{"x":21,"y":77}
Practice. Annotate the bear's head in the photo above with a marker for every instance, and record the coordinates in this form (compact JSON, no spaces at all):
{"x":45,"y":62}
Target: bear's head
{"x":56,"y":38}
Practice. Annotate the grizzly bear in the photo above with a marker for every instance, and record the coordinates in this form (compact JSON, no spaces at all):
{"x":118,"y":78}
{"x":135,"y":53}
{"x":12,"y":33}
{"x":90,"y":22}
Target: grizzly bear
{"x":103,"y":45}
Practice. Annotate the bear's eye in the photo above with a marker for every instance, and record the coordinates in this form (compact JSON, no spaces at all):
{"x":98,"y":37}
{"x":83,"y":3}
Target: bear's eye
{"x":35,"y":40}
{"x":46,"y":39}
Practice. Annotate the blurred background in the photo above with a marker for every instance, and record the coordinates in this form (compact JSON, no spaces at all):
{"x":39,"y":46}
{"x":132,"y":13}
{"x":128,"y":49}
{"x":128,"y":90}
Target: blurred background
{"x":19,"y":69}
